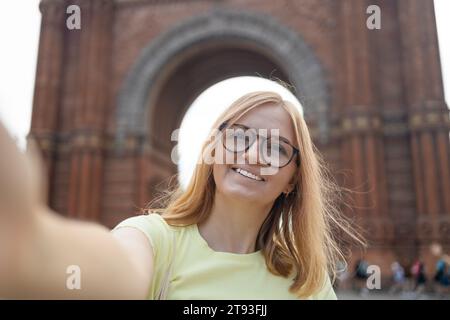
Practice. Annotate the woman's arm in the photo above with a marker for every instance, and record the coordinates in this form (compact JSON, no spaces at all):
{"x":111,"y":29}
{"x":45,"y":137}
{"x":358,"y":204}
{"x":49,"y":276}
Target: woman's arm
{"x":37,"y":246}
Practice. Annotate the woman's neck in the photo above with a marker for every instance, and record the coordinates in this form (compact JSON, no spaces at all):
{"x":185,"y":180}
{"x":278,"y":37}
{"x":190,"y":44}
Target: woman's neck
{"x":233,"y":226}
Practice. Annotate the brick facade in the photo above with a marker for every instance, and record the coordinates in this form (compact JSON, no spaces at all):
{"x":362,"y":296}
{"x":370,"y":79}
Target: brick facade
{"x":108,"y":96}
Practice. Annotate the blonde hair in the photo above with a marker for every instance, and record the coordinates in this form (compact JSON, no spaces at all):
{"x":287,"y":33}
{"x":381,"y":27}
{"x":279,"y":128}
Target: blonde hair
{"x":299,"y":234}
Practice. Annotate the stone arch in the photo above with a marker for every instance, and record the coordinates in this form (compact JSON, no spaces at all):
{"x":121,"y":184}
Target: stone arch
{"x":143,"y":107}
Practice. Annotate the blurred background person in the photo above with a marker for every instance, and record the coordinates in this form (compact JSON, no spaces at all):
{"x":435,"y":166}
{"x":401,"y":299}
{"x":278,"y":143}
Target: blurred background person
{"x":420,"y":278}
{"x":442,"y":271}
{"x":398,"y":278}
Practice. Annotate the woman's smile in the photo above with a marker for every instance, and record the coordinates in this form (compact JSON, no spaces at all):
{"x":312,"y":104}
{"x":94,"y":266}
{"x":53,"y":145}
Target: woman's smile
{"x":247,"y":174}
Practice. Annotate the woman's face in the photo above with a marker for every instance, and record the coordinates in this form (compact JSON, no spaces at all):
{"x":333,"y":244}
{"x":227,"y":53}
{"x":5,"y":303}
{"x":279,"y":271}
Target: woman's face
{"x":246,"y":178}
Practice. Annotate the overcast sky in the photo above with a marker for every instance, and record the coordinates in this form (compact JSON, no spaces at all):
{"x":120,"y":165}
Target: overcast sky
{"x":19,"y":32}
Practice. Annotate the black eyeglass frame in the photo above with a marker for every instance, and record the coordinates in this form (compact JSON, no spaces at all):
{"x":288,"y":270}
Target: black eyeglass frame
{"x":296,"y":152}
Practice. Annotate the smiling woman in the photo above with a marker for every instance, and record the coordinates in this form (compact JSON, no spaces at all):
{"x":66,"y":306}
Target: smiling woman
{"x":238,"y":223}
{"x":236,"y":231}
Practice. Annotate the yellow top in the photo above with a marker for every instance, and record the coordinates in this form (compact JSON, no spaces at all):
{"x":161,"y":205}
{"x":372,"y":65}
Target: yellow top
{"x":199,"y":272}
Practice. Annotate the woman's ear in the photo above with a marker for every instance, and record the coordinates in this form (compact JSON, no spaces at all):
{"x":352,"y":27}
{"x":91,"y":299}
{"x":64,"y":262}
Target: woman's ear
{"x":289,"y":188}
{"x":291,"y":184}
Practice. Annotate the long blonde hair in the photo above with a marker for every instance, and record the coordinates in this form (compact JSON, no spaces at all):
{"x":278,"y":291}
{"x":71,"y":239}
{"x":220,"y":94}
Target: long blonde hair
{"x":299,"y":234}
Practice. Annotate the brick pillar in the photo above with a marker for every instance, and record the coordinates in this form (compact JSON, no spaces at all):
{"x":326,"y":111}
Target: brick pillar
{"x":400,"y":226}
{"x":46,"y":103}
{"x":87,"y":99}
{"x":362,"y":147}
{"x":428,"y":119}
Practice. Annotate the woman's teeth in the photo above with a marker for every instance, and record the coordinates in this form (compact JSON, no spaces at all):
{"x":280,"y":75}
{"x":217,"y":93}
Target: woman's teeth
{"x":248,"y":174}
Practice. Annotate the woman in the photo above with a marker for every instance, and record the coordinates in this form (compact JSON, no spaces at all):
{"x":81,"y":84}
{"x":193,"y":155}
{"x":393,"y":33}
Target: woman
{"x":261,"y":226}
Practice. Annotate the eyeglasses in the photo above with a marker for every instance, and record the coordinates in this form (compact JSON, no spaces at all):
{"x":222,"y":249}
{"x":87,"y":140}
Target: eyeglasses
{"x":274,"y":150}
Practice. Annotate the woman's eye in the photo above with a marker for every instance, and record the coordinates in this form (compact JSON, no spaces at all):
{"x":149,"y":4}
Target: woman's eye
{"x":277,"y":148}
{"x":241,"y":138}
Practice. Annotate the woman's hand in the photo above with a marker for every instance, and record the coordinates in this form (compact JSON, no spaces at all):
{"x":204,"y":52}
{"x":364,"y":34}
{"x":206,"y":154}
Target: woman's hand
{"x":22,"y":182}
{"x":22,"y":187}
{"x":37,"y":245}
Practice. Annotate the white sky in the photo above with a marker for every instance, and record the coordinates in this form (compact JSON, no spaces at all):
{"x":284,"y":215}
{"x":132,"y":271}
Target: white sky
{"x":19,"y":33}
{"x":442,"y":9}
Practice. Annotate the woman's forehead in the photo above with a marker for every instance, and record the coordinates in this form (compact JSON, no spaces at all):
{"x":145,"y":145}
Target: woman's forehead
{"x":269,"y":116}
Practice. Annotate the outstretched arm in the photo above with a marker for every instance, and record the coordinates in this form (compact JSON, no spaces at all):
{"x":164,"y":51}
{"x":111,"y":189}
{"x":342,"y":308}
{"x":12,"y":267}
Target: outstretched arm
{"x":37,"y":246}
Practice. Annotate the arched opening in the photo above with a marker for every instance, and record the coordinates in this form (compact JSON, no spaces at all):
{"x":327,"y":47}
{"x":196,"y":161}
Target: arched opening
{"x":192,"y":77}
{"x":175,"y":68}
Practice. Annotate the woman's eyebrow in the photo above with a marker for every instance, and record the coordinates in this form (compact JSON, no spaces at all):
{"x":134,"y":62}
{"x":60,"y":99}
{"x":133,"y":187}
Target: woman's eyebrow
{"x":284,"y":139}
{"x":279,"y":136}
{"x":268,"y":130}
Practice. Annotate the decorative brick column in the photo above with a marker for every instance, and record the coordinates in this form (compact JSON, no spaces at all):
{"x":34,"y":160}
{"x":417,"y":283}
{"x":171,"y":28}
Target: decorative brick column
{"x":93,"y":45}
{"x":428,"y":120}
{"x":71,"y":99}
{"x":47,"y":94}
{"x":360,"y":125}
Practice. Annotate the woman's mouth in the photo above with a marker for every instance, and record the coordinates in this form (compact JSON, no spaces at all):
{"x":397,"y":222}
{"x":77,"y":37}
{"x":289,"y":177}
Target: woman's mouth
{"x":247,"y":174}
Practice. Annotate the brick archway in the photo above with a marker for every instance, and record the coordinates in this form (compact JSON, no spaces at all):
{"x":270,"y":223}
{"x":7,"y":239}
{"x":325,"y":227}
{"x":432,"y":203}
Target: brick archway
{"x":390,"y":123}
{"x":173,"y":69}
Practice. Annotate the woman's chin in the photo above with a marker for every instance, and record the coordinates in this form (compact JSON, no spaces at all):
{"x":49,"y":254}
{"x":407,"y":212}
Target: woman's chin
{"x":243,"y":193}
{"x":236,"y":186}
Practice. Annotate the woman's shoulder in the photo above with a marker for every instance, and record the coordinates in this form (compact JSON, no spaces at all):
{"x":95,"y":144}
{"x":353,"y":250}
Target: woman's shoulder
{"x":154,"y":227}
{"x":152,"y":220}
{"x":326,"y":291}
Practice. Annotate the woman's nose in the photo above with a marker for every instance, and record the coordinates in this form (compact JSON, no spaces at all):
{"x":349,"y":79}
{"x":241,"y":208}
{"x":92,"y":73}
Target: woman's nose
{"x":253,"y":156}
